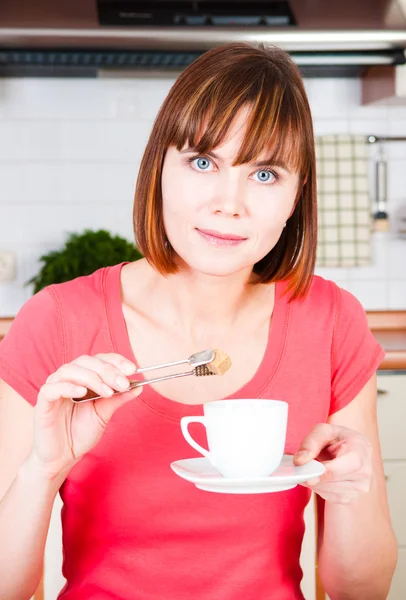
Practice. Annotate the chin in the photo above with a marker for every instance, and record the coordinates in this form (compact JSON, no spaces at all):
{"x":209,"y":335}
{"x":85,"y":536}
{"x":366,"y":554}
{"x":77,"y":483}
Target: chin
{"x":215,"y":268}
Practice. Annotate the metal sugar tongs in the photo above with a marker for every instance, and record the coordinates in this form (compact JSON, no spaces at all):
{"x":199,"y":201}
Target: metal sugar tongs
{"x":198,"y":361}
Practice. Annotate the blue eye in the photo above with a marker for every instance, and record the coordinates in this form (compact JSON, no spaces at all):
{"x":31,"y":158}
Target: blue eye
{"x":202,"y":162}
{"x":265,"y":175}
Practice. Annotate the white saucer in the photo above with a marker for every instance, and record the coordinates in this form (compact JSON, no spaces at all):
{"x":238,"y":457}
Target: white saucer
{"x":205,"y":477}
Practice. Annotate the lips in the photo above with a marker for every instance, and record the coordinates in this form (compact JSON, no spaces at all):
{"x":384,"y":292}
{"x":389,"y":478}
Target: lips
{"x":222,"y":236}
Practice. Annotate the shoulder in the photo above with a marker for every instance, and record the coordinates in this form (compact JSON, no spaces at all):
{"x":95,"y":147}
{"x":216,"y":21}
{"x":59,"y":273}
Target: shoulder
{"x":325,"y":293}
{"x":325,"y":297}
{"x":328,"y":292}
{"x":344,"y":313}
{"x":94,"y":283}
{"x":62,"y":305}
{"x":322,"y":290}
{"x":329,"y":309}
{"x":85,"y":293}
{"x":58,"y":323}
{"x":49,"y":309}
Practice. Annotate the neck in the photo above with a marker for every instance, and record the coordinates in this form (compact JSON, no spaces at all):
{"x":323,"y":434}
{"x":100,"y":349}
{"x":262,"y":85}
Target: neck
{"x":198,"y":303}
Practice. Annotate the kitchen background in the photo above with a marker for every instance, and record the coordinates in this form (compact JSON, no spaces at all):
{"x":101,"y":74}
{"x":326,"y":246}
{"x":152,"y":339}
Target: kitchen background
{"x":70,"y":151}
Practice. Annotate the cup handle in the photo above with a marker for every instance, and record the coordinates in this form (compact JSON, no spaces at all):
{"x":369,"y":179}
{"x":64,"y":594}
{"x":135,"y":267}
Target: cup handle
{"x":184,"y":424}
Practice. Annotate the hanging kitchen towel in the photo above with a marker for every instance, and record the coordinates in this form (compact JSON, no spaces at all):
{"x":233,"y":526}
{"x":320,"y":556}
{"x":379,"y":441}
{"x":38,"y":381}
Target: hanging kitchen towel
{"x":345,"y":222}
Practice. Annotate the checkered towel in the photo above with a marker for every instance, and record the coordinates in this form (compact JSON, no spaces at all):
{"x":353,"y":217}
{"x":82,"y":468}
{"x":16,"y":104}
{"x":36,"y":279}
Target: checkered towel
{"x":345,"y":220}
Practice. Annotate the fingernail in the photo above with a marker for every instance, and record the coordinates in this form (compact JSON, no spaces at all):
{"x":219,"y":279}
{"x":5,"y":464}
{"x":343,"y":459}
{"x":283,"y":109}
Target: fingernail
{"x":301,"y":454}
{"x":122,"y":382}
{"x":314,"y":481}
{"x":80,"y":390}
{"x":128,"y":369}
{"x":108,"y":391}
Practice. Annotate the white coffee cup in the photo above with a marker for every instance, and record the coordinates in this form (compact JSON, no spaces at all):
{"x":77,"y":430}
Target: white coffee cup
{"x":246,"y":437}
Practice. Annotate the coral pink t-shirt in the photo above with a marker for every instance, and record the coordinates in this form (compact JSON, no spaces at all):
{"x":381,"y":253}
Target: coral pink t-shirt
{"x":133,"y":530}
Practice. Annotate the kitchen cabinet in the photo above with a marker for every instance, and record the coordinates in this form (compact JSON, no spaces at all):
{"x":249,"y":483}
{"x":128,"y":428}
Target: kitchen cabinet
{"x":391,"y":409}
{"x":384,"y":85}
{"x":308,"y":558}
{"x":395,"y":475}
{"x":399,"y":581}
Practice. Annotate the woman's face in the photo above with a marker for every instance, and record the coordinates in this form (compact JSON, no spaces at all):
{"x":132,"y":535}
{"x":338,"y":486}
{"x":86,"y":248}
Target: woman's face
{"x":221,"y":219}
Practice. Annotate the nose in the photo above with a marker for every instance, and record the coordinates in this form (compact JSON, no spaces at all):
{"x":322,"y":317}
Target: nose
{"x":229,"y":196}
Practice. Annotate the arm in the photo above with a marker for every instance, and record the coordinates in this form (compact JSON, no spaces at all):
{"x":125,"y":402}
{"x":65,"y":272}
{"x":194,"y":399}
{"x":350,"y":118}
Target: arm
{"x":42,"y":444}
{"x":38,"y":446}
{"x":357,"y":546}
{"x":25,"y":500}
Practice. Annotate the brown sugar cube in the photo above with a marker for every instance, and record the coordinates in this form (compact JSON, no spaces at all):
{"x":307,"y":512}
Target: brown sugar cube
{"x":220,"y":363}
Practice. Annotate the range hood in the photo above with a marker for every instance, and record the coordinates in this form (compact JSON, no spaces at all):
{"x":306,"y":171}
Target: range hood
{"x":110,"y":37}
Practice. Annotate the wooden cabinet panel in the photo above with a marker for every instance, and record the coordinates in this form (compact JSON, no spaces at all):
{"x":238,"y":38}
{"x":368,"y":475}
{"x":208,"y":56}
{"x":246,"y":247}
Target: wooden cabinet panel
{"x":391,"y":420}
{"x":396,"y":488}
{"x":398,"y":587}
{"x":392,"y":415}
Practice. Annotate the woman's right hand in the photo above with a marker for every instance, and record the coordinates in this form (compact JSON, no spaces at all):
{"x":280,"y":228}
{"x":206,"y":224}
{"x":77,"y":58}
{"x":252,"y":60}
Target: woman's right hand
{"x":64,"y":430}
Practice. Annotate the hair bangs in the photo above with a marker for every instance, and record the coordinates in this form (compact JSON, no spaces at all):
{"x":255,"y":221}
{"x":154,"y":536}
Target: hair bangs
{"x":273,"y":125}
{"x":272,"y":131}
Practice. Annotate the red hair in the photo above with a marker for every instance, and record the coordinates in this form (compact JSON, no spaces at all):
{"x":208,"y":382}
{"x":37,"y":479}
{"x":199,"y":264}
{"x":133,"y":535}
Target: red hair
{"x":199,"y":111}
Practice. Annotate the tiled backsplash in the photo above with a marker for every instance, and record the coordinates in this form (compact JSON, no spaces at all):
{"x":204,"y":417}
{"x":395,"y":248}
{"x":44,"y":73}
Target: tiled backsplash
{"x":70,"y":151}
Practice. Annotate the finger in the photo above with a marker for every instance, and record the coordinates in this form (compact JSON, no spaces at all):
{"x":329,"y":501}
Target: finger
{"x":342,"y":487}
{"x":330,"y":486}
{"x":311,"y":483}
{"x":342,"y":497}
{"x":121,"y":362}
{"x":106,"y":407}
{"x":83,"y":377}
{"x":345,"y":467}
{"x":50,"y":392}
{"x":111,"y":374}
{"x":336,"y":492}
{"x":321,"y":436}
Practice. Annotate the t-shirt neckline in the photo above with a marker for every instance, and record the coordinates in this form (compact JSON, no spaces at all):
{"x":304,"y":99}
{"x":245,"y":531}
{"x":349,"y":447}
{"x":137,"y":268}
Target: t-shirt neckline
{"x":254,"y":388}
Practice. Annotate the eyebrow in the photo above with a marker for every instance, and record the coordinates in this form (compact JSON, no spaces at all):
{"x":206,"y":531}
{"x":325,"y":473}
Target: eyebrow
{"x":261,"y":163}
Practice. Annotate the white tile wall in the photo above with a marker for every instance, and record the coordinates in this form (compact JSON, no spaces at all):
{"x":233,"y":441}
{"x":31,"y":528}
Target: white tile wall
{"x":70,"y":151}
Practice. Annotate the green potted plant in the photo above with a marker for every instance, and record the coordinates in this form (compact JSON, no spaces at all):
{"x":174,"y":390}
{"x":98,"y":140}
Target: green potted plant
{"x":82,"y":254}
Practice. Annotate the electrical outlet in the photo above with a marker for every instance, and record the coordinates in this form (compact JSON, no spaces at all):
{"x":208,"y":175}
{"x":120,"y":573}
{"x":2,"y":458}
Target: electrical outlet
{"x":8,"y":267}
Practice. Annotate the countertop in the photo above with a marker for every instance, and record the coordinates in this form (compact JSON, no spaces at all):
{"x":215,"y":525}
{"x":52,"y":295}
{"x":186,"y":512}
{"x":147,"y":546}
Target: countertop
{"x":389,"y":328}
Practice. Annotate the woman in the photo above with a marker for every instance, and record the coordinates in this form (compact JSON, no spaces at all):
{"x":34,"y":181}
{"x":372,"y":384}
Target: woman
{"x":225,"y":215}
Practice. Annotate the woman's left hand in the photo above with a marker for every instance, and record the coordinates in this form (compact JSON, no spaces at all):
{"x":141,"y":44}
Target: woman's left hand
{"x":347,"y":456}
